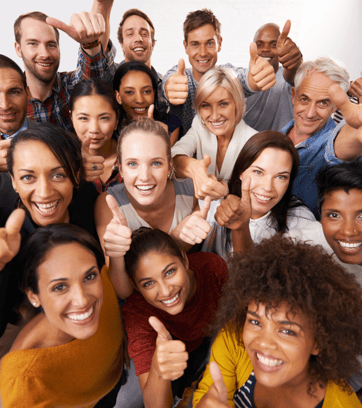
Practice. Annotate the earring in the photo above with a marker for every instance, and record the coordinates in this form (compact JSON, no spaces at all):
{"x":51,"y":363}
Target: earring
{"x":34,"y":304}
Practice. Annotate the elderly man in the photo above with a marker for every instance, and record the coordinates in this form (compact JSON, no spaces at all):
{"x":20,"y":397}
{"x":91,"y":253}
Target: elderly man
{"x":320,"y":87}
{"x":273,"y":108}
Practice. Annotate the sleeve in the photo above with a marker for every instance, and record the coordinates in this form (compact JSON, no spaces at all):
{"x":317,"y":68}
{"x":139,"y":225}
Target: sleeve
{"x":227,"y":354}
{"x":330,"y":154}
{"x":187,"y":145}
{"x":242,"y":74}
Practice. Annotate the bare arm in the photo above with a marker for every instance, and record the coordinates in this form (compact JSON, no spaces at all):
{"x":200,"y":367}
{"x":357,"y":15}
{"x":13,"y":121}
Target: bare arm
{"x":104,"y":8}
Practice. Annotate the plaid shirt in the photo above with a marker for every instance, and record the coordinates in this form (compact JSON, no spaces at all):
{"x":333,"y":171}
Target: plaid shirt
{"x":54,"y":108}
{"x":114,"y":179}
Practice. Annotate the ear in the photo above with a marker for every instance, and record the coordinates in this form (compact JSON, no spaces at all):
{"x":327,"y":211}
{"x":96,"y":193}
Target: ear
{"x":219,"y":44}
{"x":17,"y":49}
{"x":185,"y":260}
{"x":315,"y":350}
{"x":185,"y":45}
{"x":170,"y":167}
{"x":120,"y":169}
{"x":33,"y":298}
{"x":118,"y":97}
{"x":133,"y":284}
{"x":13,"y":182}
{"x":293,"y":95}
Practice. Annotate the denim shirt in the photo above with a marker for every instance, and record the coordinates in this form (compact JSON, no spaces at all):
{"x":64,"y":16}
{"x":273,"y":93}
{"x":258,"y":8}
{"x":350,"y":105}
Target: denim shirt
{"x":315,"y":152}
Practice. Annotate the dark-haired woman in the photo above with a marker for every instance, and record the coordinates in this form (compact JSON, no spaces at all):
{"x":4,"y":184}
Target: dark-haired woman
{"x":70,"y":353}
{"x":260,"y":203}
{"x":94,"y":113}
{"x":289,"y":331}
{"x":136,"y":89}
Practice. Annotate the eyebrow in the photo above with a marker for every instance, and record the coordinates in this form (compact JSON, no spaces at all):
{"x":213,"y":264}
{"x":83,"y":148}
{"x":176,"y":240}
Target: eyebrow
{"x":283,"y":322}
{"x":281,"y":172}
{"x":32,"y":171}
{"x":66,"y":279}
{"x":87,"y":114}
{"x":163,"y":271}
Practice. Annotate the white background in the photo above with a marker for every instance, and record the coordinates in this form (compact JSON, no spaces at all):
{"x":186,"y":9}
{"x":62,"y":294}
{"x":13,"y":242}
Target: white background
{"x":319,"y":27}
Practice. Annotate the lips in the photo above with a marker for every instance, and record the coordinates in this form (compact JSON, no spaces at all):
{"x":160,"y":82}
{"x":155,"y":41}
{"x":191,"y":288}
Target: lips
{"x":47,"y":208}
{"x":269,"y":362}
{"x":140,"y":110}
{"x":145,"y":188}
{"x":262,"y":198}
{"x":171,"y":301}
{"x":81,"y":316}
{"x":8,"y":116}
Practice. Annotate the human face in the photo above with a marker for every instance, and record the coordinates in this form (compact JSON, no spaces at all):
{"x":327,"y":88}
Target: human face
{"x":218,"y":111}
{"x":43,"y":186}
{"x":70,"y":292}
{"x":145,"y":168}
{"x":162,"y":279}
{"x":279,"y":345}
{"x":137,"y":40}
{"x":13,"y":101}
{"x":270,"y":175}
{"x":266,"y":43}
{"x":94,"y":118}
{"x":136,"y":94}
{"x":202,"y":47}
{"x":39,"y":50}
{"x":341,"y":218}
{"x":312,"y":104}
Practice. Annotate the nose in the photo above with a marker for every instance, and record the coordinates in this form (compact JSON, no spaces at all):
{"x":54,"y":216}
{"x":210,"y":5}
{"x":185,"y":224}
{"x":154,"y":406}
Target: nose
{"x":267,"y":183}
{"x":44,"y":188}
{"x":43,"y":51}
{"x":310,"y":111}
{"x":214,"y":113}
{"x":139,"y":97}
{"x":79,"y":297}
{"x":4,"y":101}
{"x":139,"y":37}
{"x":144,"y":173}
{"x":202,"y":49}
{"x":164,"y":290}
{"x":265,"y":340}
{"x":93,"y":127}
{"x":349,"y":227}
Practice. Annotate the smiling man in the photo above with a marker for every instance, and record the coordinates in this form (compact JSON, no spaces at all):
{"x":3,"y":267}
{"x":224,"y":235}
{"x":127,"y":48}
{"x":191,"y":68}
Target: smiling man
{"x":273,"y":109}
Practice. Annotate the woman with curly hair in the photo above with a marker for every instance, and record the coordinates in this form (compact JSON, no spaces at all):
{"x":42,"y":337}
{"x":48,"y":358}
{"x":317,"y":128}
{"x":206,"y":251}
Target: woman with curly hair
{"x":289,"y":331}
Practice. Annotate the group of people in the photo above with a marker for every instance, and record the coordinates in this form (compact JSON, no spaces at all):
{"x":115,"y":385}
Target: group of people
{"x":199,"y":230}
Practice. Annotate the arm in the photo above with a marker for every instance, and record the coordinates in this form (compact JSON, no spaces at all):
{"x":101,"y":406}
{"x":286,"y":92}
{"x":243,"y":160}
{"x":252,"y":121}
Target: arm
{"x":355,"y":89}
{"x":104,"y":7}
{"x":168,"y":363}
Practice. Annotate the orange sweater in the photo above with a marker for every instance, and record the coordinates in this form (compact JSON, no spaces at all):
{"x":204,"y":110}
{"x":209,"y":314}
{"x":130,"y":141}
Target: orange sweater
{"x":77,"y":374}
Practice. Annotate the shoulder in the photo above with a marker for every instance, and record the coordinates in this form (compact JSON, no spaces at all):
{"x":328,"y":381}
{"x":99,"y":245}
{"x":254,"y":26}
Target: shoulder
{"x":207,"y":263}
{"x":336,"y":397}
{"x":184,"y":187}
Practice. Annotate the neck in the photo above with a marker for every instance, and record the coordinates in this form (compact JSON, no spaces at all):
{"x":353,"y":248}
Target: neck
{"x":197,"y":76}
{"x":148,"y":62}
{"x":296,"y":137}
{"x":38,"y":89}
{"x":107,"y":150}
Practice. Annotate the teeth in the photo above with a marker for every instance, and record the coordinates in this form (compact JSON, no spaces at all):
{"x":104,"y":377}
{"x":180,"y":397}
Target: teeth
{"x":171,"y":300}
{"x":203,"y":62}
{"x":44,"y":64}
{"x":263,"y":198}
{"x":46,"y":208}
{"x":141,"y":110}
{"x":218,"y":123}
{"x":145,"y":188}
{"x":268,"y":361}
{"x":76,"y":316}
{"x":349,"y":244}
{"x":138,"y":49}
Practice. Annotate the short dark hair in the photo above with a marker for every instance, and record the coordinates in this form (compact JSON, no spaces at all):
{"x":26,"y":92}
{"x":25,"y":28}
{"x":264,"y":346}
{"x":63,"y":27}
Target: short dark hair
{"x":250,"y":152}
{"x":65,"y":146}
{"x":8,"y":63}
{"x":139,"y":13}
{"x":145,"y":240}
{"x":199,"y":18}
{"x":282,"y":271}
{"x":36,"y":15}
{"x":342,"y":176}
{"x":45,"y":239}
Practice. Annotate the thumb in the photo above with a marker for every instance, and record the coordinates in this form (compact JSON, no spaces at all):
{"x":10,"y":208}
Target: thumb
{"x":151,"y":108}
{"x":116,"y":212}
{"x":205,"y":207}
{"x":284,"y":34}
{"x":181,"y":67}
{"x":86,"y":146}
{"x":72,"y":32}
{"x":349,"y":110}
{"x":14,"y":223}
{"x":158,"y":326}
{"x":206,"y":160}
{"x":220,"y":386}
{"x":253,"y":54}
{"x":245,"y":191}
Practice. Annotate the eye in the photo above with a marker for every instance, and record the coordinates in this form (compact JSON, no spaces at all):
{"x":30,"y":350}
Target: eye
{"x":303,"y":99}
{"x":131,"y":164}
{"x":82,"y":118}
{"x":170,"y":272}
{"x":147,"y":91}
{"x":128,"y":92}
{"x":205,"y":105}
{"x":273,"y":45}
{"x":105,"y":118}
{"x":254,"y":322}
{"x":210,"y":44}
{"x":258,"y":172}
{"x":288,"y":332}
{"x":147,"y":284}
{"x":59,"y":176}
{"x":157,"y":163}
{"x":27,"y":178}
{"x":15,"y":92}
{"x":91,"y":276}
{"x":224,"y":104}
{"x":333,"y":215}
{"x":52,"y":46}
{"x":282,"y":177}
{"x":59,"y":288}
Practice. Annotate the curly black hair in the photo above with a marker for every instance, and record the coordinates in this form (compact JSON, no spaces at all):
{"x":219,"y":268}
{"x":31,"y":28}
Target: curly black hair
{"x":307,"y":279}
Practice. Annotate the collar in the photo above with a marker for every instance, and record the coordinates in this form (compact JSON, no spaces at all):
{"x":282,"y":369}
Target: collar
{"x":4,"y":136}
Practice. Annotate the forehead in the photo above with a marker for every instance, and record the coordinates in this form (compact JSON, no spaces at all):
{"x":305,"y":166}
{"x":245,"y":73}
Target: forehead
{"x":92,"y":103}
{"x":274,"y":159}
{"x":201,"y":34}
{"x":315,"y":86}
{"x":31,"y":28}
{"x":135,"y":79}
{"x":281,"y":312}
{"x":9,"y":79}
{"x":219,"y":94}
{"x":135,"y":23}
{"x":28,"y":153}
{"x":343,"y":201}
{"x":153,"y":264}
{"x":268,"y":33}
{"x":143,"y":146}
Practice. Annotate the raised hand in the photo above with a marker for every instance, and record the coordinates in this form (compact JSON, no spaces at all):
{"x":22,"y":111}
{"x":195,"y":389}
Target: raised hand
{"x":170,"y":357}
{"x":355,"y":88}
{"x":207,"y":185}
{"x":93,"y":164}
{"x":194,"y":228}
{"x":84,"y":28}
{"x":261,"y":73}
{"x":217,"y":395}
{"x":176,"y":86}
{"x":235,"y":212}
{"x":288,"y":53}
{"x":117,"y":238}
{"x":150,"y":111}
{"x":4,"y":146}
{"x":351,"y":112}
{"x":10,"y":237}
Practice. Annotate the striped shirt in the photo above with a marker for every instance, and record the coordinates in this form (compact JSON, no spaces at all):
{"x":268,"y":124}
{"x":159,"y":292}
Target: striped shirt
{"x":337,"y":115}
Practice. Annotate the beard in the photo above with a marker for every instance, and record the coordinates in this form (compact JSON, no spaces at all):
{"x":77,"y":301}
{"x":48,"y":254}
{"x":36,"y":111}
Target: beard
{"x":35,"y":71}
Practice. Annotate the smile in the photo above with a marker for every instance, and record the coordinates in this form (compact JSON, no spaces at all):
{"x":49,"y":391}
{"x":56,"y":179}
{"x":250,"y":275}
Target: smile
{"x":47,"y":208}
{"x":171,"y":301}
{"x":262,"y":198}
{"x":218,"y":123}
{"x":146,"y":188}
{"x":140,"y":110}
{"x":138,"y":49}
{"x":269,"y":362}
{"x":349,"y":245}
{"x":44,"y":64}
{"x":82,"y":316}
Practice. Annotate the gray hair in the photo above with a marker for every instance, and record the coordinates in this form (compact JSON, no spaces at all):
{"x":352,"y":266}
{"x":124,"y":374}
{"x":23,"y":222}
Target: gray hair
{"x":226,"y":78}
{"x":325,"y":66}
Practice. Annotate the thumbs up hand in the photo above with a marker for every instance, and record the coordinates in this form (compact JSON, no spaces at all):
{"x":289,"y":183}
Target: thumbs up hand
{"x":117,"y":238}
{"x":93,"y":165}
{"x":288,"y":53}
{"x":176,"y":86}
{"x":170,"y":357}
{"x":217,"y":395}
{"x":261,"y":73}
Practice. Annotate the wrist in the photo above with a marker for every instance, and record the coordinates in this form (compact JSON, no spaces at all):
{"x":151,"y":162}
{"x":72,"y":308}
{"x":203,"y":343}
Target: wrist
{"x":89,"y":46}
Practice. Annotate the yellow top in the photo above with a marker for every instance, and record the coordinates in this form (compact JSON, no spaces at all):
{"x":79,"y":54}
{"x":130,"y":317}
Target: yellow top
{"x":236,"y":367}
{"x":77,"y":374}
